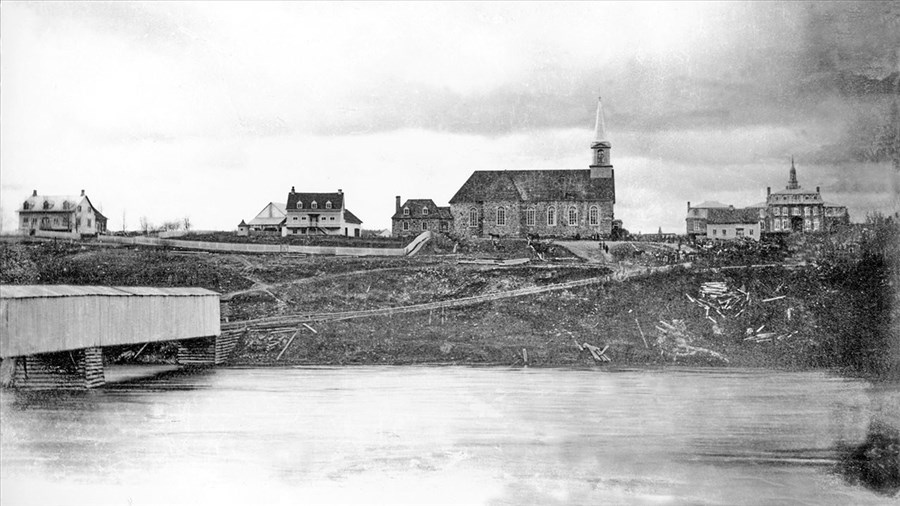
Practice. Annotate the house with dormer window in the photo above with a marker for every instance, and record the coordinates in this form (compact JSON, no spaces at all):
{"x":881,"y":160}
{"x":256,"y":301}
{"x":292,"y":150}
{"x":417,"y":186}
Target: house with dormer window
{"x":61,"y":213}
{"x":418,"y":215}
{"x":319,"y":214}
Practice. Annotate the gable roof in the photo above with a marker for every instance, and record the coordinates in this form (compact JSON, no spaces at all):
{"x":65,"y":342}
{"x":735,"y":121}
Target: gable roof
{"x":709,"y":204}
{"x":351,"y":218}
{"x":728,"y":215}
{"x":277,"y":212}
{"x":337,"y":200}
{"x":417,"y":205}
{"x":534,"y":186}
{"x":57,"y":204}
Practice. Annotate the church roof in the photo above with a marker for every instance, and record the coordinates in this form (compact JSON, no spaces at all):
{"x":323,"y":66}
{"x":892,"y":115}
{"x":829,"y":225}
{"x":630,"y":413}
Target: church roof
{"x":534,"y":186}
{"x":599,"y":124}
{"x":416,"y":206}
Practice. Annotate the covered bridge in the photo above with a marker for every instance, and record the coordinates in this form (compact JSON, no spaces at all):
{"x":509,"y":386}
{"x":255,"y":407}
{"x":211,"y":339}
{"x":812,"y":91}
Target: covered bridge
{"x":51,"y":336}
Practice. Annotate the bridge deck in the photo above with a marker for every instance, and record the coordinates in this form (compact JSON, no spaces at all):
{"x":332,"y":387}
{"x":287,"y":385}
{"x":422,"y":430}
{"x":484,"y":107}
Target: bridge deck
{"x":50,"y":318}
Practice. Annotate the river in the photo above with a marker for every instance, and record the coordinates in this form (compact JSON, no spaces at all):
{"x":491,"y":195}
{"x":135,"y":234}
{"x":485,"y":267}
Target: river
{"x":441,"y":435}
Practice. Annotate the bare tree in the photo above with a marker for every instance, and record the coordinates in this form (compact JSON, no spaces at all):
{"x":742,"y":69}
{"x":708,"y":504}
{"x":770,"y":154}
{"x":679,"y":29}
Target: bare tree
{"x":124,"y":222}
{"x":186,"y":222}
{"x":145,"y":225}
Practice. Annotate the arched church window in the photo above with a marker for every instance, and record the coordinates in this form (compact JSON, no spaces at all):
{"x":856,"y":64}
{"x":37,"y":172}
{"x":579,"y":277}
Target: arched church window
{"x":594,"y":216}
{"x":551,"y":216}
{"x":473,"y":217}
{"x":573,"y":216}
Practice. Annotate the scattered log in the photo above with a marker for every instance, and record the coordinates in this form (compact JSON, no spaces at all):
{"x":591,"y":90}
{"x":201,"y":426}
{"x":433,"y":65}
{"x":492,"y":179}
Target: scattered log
{"x":291,"y":340}
{"x":773,"y":298}
{"x":642,"y":333}
{"x":310,"y":328}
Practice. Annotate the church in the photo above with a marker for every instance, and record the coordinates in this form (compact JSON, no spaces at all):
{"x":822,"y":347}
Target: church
{"x":550,"y":203}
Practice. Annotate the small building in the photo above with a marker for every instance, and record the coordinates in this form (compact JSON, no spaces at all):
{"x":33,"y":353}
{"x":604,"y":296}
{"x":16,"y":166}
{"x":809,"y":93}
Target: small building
{"x":243,"y":229}
{"x":698,"y":216}
{"x":733,"y":224}
{"x":61,"y":213}
{"x":418,"y":215}
{"x":271,"y":219}
{"x":551,"y":203}
{"x":319,"y":214}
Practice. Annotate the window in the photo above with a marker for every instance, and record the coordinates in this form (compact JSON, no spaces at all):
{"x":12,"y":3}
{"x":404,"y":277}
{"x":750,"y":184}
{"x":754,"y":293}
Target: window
{"x":25,"y":206}
{"x":303,"y":218}
{"x":405,"y":211}
{"x":424,"y":210}
{"x":795,"y":211}
{"x":739,"y":232}
{"x":784,"y":224}
{"x":594,"y":216}
{"x":331,"y":218}
{"x":473,"y":217}
{"x":501,"y":216}
{"x":815,"y":211}
{"x":698,"y":226}
{"x":573,"y":216}
{"x":299,"y":205}
{"x":751,"y":231}
{"x":328,"y":205}
{"x":724,"y":232}
{"x":24,"y":222}
{"x":776,"y":211}
{"x":530,"y":215}
{"x":55,"y":221}
{"x":89,"y":222}
{"x":424,"y":226}
{"x":551,"y":216}
{"x":807,"y":224}
{"x":715,"y":231}
{"x":79,"y":209}
{"x":314,"y":205}
{"x":816,"y":224}
{"x":405,"y":226}
{"x":784,"y":211}
{"x":79,"y":222}
{"x":806,"y":211}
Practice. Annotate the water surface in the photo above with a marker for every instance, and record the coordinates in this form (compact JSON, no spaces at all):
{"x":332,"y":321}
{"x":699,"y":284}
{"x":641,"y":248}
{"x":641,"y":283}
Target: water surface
{"x":440,"y":435}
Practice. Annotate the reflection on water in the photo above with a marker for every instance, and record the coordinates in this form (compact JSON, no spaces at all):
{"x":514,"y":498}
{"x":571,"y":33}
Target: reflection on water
{"x":441,"y":435}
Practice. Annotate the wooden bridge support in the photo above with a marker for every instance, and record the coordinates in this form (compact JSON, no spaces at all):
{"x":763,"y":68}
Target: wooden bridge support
{"x":206,"y":350}
{"x":67,"y":370}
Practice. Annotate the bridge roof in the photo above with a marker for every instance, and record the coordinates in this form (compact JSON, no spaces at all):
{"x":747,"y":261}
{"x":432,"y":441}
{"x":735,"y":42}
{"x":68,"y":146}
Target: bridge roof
{"x":39,"y":291}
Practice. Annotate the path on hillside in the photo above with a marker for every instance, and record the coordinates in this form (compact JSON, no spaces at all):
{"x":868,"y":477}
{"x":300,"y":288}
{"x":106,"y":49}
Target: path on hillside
{"x":288,"y":321}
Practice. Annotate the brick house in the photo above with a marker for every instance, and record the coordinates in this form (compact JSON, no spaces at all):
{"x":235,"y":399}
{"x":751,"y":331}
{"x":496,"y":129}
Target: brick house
{"x":319,"y":214}
{"x":554,"y":203}
{"x":417,"y":215}
{"x":61,"y":213}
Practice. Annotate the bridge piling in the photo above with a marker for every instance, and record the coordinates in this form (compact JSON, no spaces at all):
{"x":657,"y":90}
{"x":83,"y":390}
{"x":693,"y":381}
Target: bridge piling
{"x":71,"y":370}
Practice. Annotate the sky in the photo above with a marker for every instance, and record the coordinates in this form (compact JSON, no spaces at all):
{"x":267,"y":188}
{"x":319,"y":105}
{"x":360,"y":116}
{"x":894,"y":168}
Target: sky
{"x":166,"y":110}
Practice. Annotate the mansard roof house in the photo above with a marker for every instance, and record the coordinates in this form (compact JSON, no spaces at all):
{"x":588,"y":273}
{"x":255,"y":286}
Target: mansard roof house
{"x":61,"y":213}
{"x":417,"y":215}
{"x":319,"y":214}
{"x":555,"y":203}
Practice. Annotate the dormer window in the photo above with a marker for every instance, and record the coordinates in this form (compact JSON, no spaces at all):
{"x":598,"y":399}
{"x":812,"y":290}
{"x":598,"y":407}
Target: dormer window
{"x":25,"y":206}
{"x":424,"y":210}
{"x":314,"y":205}
{"x":405,"y":211}
{"x":299,"y":205}
{"x":328,"y":205}
{"x":47,"y":204}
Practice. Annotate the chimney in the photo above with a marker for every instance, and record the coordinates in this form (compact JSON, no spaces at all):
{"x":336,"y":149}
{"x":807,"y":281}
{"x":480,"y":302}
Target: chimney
{"x":34,"y":193}
{"x":340,"y":191}
{"x":817,"y":189}
{"x":397,"y":206}
{"x":82,"y":193}
{"x":292,"y":190}
{"x":768,"y":190}
{"x":689,"y":205}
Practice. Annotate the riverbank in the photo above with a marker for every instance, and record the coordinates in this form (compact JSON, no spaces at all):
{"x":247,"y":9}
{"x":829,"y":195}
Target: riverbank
{"x":818,"y":316}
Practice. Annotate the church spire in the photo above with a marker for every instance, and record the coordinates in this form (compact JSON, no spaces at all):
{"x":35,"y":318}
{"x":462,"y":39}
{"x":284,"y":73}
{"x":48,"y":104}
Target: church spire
{"x":792,"y":181}
{"x":599,"y":124}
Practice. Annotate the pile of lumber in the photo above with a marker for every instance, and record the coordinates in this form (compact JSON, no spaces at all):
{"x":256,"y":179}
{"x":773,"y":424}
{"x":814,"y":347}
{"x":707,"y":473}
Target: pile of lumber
{"x":758,"y":336}
{"x":674,"y":341}
{"x":717,"y":299}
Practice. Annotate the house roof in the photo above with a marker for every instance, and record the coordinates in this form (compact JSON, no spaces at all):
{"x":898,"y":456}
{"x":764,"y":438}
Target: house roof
{"x":709,"y":204}
{"x":56,"y":204}
{"x":277,"y":215}
{"x":337,"y":200}
{"x":729,"y":215}
{"x":351,"y":218}
{"x":416,"y":207}
{"x":534,"y":185}
{"x":758,"y":205}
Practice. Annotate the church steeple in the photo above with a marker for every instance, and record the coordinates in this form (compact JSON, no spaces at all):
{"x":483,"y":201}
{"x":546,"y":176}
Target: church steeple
{"x":792,"y":181}
{"x":600,"y":165}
